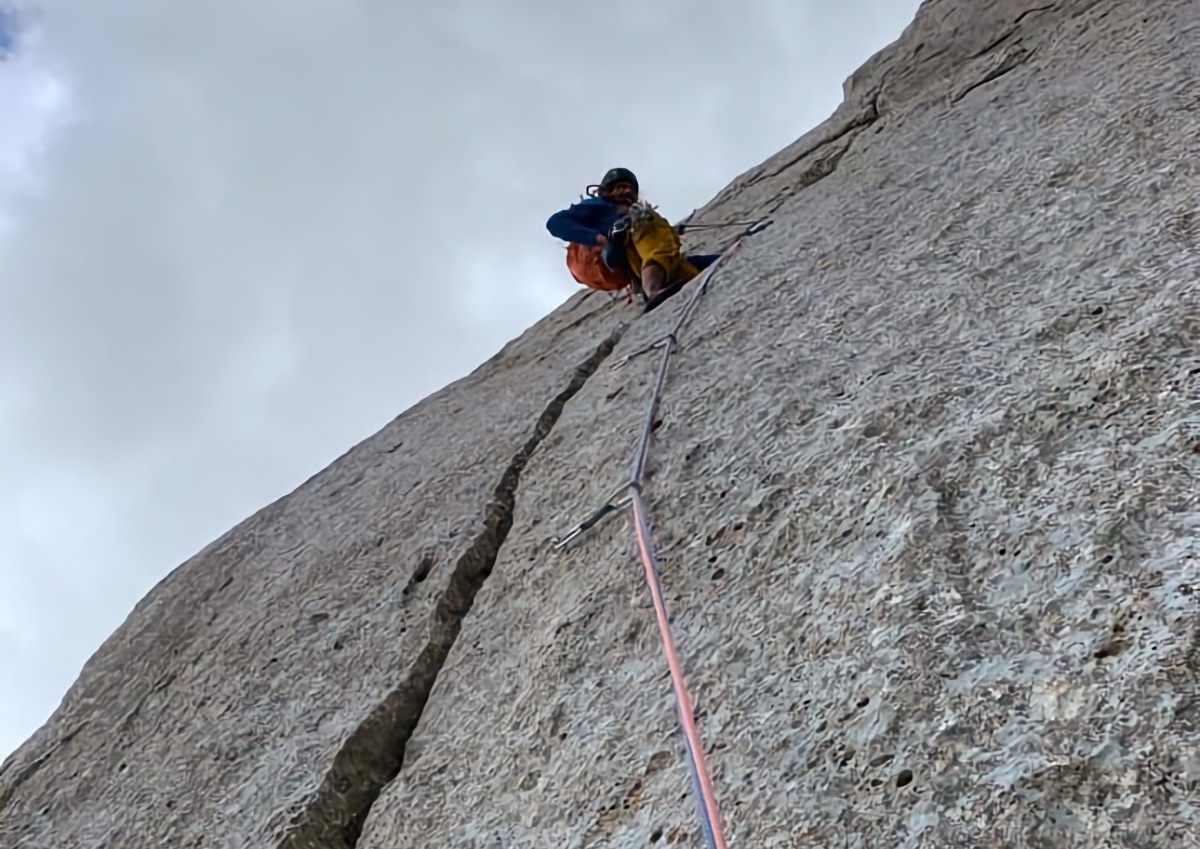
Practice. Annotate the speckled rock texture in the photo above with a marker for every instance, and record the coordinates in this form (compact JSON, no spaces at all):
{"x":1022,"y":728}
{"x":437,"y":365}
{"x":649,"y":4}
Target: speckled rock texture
{"x":272,"y":679}
{"x":926,"y":492}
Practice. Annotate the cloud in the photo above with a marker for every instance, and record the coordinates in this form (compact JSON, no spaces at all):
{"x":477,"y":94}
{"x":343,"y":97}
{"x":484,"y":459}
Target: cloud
{"x":270,"y":227}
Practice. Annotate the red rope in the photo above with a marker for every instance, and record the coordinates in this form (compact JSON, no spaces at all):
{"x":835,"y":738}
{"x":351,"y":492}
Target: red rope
{"x":706,"y":798}
{"x":710,"y":812}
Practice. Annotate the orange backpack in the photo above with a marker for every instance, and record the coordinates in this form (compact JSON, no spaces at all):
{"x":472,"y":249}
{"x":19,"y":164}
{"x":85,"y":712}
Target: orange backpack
{"x":588,"y":268}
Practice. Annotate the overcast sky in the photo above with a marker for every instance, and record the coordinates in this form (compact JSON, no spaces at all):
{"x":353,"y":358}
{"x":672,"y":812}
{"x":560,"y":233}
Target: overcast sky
{"x":236,"y":238}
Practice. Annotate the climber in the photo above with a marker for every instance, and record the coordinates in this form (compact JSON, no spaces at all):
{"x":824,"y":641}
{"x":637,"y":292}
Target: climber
{"x":615,"y":240}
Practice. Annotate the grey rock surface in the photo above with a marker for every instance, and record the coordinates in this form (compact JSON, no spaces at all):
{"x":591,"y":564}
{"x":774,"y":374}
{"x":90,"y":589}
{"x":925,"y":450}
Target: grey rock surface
{"x":264,"y":687}
{"x":925,"y":493}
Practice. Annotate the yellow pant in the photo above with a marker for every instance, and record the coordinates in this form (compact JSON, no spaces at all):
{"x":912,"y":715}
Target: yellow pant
{"x":653,"y":241}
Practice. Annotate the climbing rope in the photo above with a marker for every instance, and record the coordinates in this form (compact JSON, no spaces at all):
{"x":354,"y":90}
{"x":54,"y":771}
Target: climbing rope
{"x":630,"y":493}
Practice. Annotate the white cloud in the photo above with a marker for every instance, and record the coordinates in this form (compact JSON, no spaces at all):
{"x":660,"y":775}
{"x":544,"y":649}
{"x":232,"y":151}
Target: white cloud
{"x":37,"y":103}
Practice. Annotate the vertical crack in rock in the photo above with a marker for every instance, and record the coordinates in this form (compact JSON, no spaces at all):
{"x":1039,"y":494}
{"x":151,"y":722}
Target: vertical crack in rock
{"x":1008,"y":64}
{"x":826,"y":162}
{"x":8,"y":791}
{"x":1012,"y":30}
{"x":371,"y":757}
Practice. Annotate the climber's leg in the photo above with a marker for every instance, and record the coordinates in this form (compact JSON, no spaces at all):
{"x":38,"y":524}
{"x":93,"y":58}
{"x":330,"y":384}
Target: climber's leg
{"x":655,"y":254}
{"x":654,"y":279}
{"x":663,"y":293}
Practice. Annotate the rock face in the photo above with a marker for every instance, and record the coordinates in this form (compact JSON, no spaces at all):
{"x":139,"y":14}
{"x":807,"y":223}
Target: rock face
{"x":925,"y":493}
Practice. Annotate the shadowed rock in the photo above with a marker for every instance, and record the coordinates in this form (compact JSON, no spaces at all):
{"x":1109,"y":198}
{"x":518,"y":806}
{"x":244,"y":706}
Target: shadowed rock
{"x":925,"y":492}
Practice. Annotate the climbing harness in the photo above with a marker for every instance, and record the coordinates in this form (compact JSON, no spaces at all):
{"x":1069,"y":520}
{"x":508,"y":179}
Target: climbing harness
{"x":630,"y":494}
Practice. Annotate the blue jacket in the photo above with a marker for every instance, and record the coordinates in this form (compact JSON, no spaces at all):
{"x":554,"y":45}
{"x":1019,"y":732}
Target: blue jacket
{"x":584,"y":221}
{"x":595,"y":216}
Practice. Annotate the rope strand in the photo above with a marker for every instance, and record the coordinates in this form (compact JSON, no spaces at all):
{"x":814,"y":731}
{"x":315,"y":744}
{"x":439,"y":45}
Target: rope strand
{"x":708,"y":809}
